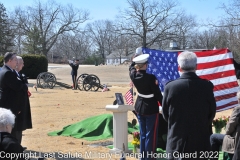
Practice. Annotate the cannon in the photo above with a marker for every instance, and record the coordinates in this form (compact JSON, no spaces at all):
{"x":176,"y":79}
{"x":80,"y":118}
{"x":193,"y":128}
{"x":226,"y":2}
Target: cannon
{"x":84,"y":82}
{"x":88,"y":82}
{"x":46,"y":80}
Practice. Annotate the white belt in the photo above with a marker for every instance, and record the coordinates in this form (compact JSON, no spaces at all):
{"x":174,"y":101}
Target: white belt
{"x":146,"y":96}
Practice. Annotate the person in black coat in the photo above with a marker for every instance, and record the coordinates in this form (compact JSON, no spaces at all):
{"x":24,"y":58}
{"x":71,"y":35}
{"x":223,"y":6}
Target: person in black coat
{"x":146,"y":105}
{"x":74,"y":71}
{"x":8,"y":143}
{"x":23,"y":119}
{"x":11,"y":87}
{"x":189,"y":107}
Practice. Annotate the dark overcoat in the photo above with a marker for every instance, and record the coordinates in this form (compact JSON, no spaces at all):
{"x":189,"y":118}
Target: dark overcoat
{"x":189,"y":107}
{"x":23,"y":119}
{"x":10,"y":87}
{"x":9,"y":144}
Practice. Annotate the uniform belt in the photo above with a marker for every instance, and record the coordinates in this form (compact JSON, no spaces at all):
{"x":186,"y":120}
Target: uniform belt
{"x":146,"y":96}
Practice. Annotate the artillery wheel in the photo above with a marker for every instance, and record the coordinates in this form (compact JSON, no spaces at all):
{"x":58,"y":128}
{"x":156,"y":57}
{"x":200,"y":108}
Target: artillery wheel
{"x":91,"y":82}
{"x":80,"y":81}
{"x":46,"y":80}
{"x":39,"y":80}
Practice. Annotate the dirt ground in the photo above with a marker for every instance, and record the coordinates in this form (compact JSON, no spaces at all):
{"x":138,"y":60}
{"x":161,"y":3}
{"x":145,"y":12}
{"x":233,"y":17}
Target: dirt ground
{"x":52,"y":109}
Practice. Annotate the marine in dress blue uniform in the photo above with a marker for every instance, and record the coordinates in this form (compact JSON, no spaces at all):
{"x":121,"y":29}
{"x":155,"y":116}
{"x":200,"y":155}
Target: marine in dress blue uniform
{"x":146,"y":105}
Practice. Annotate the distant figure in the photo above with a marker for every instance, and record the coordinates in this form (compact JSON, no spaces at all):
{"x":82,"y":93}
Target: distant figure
{"x":189,"y":107}
{"x":8,"y":143}
{"x":74,"y":71}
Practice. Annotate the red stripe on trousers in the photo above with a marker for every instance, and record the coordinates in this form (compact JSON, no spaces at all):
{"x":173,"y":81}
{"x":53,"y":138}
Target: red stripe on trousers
{"x":155,"y":134}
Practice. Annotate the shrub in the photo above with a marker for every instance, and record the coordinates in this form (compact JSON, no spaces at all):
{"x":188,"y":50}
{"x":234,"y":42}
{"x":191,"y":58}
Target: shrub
{"x":34,"y":64}
{"x":1,"y":60}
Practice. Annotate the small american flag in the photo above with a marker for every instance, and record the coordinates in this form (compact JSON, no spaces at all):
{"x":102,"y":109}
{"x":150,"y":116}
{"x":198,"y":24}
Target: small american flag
{"x":213,"y":65}
{"x":129,"y":97}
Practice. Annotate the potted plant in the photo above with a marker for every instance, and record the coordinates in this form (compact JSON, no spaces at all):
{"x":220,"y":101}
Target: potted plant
{"x":136,"y":141}
{"x":220,"y":123}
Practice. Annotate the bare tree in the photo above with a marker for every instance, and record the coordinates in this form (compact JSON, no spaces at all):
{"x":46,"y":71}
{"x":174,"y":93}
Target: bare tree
{"x":121,"y":46}
{"x":145,"y":16}
{"x":69,"y":45}
{"x":101,"y":33}
{"x":185,"y":25}
{"x":232,"y":11}
{"x":52,"y":20}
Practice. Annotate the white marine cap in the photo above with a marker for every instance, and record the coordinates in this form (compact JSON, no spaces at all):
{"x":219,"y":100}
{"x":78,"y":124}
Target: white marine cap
{"x":138,"y":51}
{"x":141,"y":58}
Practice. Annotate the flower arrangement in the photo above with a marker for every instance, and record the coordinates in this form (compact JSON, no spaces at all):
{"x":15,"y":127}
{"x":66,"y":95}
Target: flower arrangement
{"x":220,"y":123}
{"x":136,"y":141}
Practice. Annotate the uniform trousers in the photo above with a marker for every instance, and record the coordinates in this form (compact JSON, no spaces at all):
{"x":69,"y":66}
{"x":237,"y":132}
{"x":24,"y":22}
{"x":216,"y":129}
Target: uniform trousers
{"x":74,"y":79}
{"x":148,"y":125}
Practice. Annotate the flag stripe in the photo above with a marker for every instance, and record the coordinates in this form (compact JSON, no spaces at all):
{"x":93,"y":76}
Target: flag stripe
{"x":225,"y":101}
{"x":213,"y":64}
{"x":226,"y":87}
{"x":229,"y":107}
{"x":226,"y":96}
{"x":211,"y":52}
{"x":213,"y":58}
{"x":224,"y":80}
{"x":218,"y":74}
{"x":231,"y":104}
{"x":216,"y":69}
{"x":129,"y":97}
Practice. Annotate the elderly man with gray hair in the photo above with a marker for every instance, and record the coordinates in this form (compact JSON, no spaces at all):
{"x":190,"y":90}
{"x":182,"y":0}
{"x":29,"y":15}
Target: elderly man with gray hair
{"x":189,"y":107}
{"x":23,"y":119}
{"x":8,"y":143}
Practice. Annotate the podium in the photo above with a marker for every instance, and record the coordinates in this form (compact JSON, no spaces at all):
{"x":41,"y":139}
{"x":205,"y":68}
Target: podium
{"x":120,"y":127}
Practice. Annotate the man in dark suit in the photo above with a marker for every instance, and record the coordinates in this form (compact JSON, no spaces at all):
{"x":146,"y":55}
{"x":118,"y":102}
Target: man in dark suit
{"x":189,"y":107}
{"x":23,"y":119}
{"x":10,"y":87}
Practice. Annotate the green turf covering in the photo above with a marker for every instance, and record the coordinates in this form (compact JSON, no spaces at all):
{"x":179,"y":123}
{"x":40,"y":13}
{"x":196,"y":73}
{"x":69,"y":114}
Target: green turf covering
{"x":98,"y":128}
{"x":93,"y":128}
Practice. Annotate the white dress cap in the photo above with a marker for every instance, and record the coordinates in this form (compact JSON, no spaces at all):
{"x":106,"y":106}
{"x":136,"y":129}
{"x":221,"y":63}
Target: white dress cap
{"x":141,"y":59}
{"x":138,"y":51}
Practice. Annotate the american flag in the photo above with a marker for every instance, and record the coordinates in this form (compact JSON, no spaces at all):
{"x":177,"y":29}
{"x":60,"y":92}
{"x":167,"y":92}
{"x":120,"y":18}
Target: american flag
{"x":129,"y":97}
{"x":214,"y":65}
